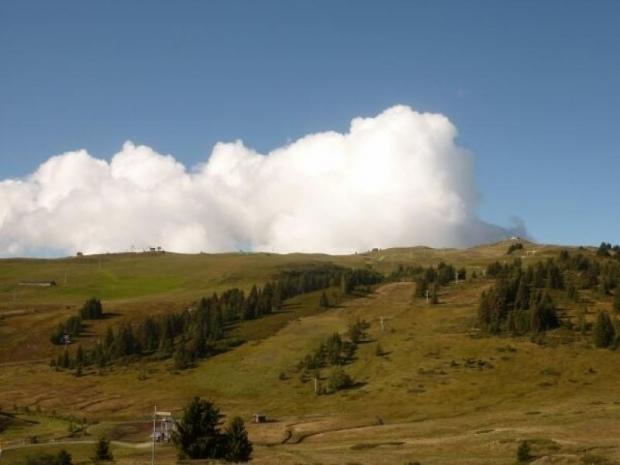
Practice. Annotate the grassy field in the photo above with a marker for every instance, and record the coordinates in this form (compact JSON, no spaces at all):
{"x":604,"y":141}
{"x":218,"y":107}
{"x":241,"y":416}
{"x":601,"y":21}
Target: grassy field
{"x":441,"y":393}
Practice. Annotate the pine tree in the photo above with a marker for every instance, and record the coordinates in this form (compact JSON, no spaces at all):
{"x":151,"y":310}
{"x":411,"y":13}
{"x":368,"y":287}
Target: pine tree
{"x":544,"y":315}
{"x":346,"y":284}
{"x":182,"y":359}
{"x":339,"y":379}
{"x":277,"y":296}
{"x":102,"y":451}
{"x":603,"y":331}
{"x":250,"y":304}
{"x":92,"y":310}
{"x":522,"y":300}
{"x":166,"y":341}
{"x":524,"y":452}
{"x":238,"y":446}
{"x":198,"y":435}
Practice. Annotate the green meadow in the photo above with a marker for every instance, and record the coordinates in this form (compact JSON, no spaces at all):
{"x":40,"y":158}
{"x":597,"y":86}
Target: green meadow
{"x":439,"y":391}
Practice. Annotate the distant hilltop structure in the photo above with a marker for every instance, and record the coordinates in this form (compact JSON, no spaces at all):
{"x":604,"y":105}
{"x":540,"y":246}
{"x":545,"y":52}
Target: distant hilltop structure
{"x":132,"y":250}
{"x":51,"y":283}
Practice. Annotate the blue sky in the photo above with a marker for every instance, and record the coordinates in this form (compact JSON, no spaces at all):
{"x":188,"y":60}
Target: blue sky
{"x":533,"y":87}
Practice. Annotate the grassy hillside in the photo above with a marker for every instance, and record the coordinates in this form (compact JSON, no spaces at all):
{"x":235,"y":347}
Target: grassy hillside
{"x":440,"y":392}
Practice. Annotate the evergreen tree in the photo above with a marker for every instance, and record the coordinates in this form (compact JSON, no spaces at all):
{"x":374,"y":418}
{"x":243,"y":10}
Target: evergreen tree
{"x":102,"y":451}
{"x":544,"y":315}
{"x":198,"y":433}
{"x":250,"y":304}
{"x":238,"y":446}
{"x":345,"y":284}
{"x":524,"y":452}
{"x":92,"y":310}
{"x":339,"y":379}
{"x":603,"y":331}
{"x":182,"y":358}
{"x":166,"y":341}
{"x":603,"y":250}
{"x":522,"y":299}
{"x":277,"y":296}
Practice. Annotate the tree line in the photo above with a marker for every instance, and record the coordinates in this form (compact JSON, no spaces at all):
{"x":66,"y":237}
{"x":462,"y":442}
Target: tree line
{"x":516,"y":304}
{"x":521,"y":300}
{"x":73,"y":326}
{"x":199,"y":332}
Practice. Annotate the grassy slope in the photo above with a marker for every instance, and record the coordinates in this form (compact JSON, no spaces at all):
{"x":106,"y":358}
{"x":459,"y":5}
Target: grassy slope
{"x":421,"y":401}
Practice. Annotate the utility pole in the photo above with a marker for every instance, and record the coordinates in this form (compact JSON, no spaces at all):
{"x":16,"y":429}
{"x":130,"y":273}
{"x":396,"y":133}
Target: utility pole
{"x":427,"y":294}
{"x":382,"y":325}
{"x":153,"y":448}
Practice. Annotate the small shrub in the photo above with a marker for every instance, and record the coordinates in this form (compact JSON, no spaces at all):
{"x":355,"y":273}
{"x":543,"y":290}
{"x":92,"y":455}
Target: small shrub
{"x":339,"y":379}
{"x":604,"y":332}
{"x":524,"y":452}
{"x":102,"y":451}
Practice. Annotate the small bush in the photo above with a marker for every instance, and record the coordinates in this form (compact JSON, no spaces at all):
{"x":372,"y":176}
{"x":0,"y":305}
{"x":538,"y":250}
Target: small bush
{"x":524,"y":452}
{"x":339,"y":379}
{"x":102,"y":451}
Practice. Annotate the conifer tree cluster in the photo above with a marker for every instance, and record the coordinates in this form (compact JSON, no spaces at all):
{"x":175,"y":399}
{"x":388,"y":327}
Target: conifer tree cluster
{"x":514,"y":248}
{"x":516,"y":302}
{"x":431,"y":279}
{"x":199,"y":434}
{"x":91,"y":310}
{"x":521,"y":300}
{"x":73,"y":326}
{"x":334,"y":352}
{"x":194,"y":334}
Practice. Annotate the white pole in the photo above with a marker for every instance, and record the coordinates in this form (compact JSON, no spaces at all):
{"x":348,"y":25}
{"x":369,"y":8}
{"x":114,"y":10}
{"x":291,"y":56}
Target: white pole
{"x":153,"y":449}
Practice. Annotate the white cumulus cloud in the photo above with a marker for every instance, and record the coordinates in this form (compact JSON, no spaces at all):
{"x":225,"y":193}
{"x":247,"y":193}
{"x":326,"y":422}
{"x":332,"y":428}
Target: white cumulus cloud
{"x":396,"y":179}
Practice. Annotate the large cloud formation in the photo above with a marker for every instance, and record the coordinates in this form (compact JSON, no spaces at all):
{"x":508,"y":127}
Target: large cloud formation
{"x":396,"y":179}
